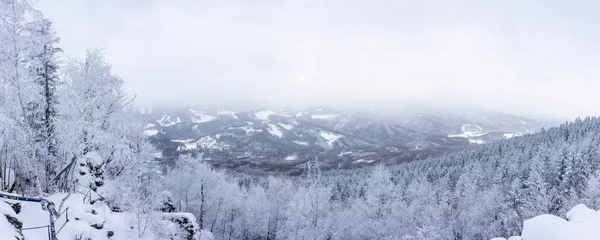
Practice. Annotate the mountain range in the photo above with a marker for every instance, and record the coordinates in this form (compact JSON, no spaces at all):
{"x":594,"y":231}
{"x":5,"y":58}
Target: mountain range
{"x":283,"y":141}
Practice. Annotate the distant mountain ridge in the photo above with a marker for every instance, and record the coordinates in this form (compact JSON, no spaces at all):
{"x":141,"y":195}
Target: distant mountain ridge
{"x":282,"y":141}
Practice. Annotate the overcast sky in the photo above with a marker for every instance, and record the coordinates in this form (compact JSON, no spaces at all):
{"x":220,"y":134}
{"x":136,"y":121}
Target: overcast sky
{"x":536,"y":58}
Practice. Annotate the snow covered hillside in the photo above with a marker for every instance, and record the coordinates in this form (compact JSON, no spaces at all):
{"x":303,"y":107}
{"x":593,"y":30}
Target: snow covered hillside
{"x":243,"y":140}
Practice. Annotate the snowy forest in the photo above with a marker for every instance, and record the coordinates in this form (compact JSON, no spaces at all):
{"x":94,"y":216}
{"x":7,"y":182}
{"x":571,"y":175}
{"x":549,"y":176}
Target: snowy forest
{"x":69,"y":129}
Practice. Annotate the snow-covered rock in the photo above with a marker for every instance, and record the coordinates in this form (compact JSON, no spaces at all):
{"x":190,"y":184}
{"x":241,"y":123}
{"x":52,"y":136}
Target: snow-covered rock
{"x":581,"y":214}
{"x":8,"y":220}
{"x":88,"y":172}
{"x":582,"y":224}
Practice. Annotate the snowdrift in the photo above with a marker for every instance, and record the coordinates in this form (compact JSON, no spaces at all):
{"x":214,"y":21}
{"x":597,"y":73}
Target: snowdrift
{"x":582,"y":223}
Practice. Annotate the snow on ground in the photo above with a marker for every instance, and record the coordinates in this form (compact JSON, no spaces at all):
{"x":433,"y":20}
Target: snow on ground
{"x":301,"y":143}
{"x":330,"y":137}
{"x":210,"y":143}
{"x":200,"y":116}
{"x":247,"y":129}
{"x":274,"y":130}
{"x":291,"y":157}
{"x":323,"y":116}
{"x":264,"y":114}
{"x":203,"y":118}
{"x":93,"y":222}
{"x":344,"y":153}
{"x":7,"y":230}
{"x":469,"y":130}
{"x":166,"y":120}
{"x":286,"y":126}
{"x":150,"y":132}
{"x":581,"y":224}
{"x":189,"y":144}
{"x":511,"y":135}
{"x":228,"y":113}
{"x":476,"y":141}
{"x":150,"y":125}
{"x":364,"y":161}
{"x":81,"y":218}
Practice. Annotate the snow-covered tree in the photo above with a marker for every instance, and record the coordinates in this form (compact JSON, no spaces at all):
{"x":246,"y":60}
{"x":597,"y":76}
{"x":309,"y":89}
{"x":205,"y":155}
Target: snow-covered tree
{"x":20,"y":42}
{"x":94,"y":117}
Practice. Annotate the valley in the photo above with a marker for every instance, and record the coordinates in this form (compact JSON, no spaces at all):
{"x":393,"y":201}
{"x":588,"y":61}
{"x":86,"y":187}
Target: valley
{"x":281,"y":142}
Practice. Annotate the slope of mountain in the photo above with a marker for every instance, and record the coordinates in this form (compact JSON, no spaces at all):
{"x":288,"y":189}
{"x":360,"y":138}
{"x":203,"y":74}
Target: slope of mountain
{"x":478,"y":126}
{"x":284,"y":140}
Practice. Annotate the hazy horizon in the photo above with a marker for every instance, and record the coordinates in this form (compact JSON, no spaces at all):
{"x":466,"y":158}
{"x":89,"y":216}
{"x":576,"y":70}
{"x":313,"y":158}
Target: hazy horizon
{"x":528,"y":59}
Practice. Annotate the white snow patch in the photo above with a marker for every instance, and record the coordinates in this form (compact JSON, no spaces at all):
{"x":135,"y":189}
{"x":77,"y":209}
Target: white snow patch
{"x":166,"y":120}
{"x":94,"y":158}
{"x":323,"y":116}
{"x":291,"y":157}
{"x":200,"y":116}
{"x":150,"y":132}
{"x":247,"y":129}
{"x":344,"y":153}
{"x":274,"y":130}
{"x":301,"y":143}
{"x":209,"y":143}
{"x":264,"y":114}
{"x":286,"y":126}
{"x":364,"y":161}
{"x":330,"y":137}
{"x":187,"y":144}
{"x":469,"y":130}
{"x":203,"y":118}
{"x":476,"y":141}
{"x":228,"y":113}
{"x":511,"y":135}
